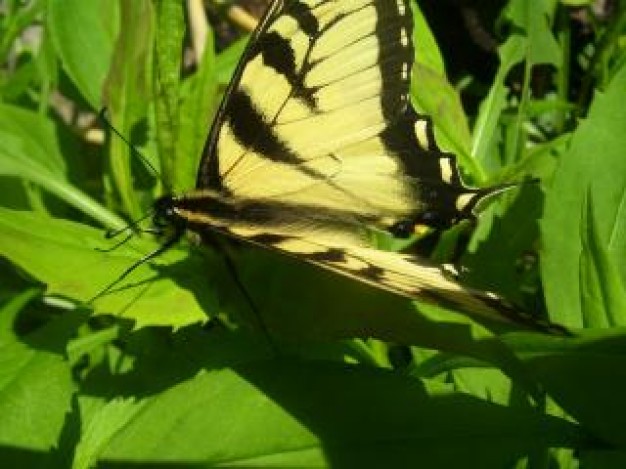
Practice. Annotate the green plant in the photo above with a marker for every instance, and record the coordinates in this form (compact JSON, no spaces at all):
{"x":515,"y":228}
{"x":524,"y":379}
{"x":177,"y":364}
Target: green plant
{"x":167,"y":366}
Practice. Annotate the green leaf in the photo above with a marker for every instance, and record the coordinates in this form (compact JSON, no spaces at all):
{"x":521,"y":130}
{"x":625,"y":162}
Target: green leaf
{"x":29,"y":149}
{"x":227,"y":60}
{"x":595,"y":163}
{"x":199,"y":96}
{"x":66,"y":257}
{"x":536,"y":46}
{"x":169,"y":52}
{"x":507,"y":232}
{"x":128,"y":88}
{"x":35,"y":386}
{"x":102,"y":420}
{"x":485,"y":130}
{"x":603,"y":298}
{"x":323,"y":414}
{"x":9,"y":312}
{"x":427,"y":51}
{"x":534,"y":19}
{"x":585,"y":376}
{"x":37,"y":136}
{"x":84,"y":34}
{"x":538,"y":162}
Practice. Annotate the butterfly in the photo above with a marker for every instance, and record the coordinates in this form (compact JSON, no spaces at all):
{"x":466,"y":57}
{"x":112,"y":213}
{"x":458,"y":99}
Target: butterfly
{"x":316,"y":145}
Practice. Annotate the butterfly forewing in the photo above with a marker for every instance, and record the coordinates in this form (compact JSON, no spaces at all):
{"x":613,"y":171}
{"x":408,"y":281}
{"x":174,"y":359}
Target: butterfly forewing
{"x":305,"y":116}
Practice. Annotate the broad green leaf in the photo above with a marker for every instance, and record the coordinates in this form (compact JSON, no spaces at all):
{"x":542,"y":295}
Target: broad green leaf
{"x":159,"y":361}
{"x":29,"y":149}
{"x":35,"y":386}
{"x":84,"y":34}
{"x":585,"y":376}
{"x":291,"y":413}
{"x":594,"y":162}
{"x":65,"y":256}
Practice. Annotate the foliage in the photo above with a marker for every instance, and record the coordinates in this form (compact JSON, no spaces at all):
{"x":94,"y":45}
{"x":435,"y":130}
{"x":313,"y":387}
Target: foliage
{"x":171,"y":365}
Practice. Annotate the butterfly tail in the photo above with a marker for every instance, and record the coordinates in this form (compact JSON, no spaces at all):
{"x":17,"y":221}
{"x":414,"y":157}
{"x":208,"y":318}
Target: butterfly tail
{"x":476,"y":198}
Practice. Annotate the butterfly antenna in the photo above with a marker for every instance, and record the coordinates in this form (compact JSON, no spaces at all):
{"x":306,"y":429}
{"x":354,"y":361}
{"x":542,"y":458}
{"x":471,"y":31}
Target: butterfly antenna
{"x":133,"y":225}
{"x":232,"y":269}
{"x":116,"y":245}
{"x":103,"y":118}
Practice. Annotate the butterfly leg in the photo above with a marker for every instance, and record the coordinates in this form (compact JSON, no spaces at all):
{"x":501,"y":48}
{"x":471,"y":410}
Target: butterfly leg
{"x":230,"y":264}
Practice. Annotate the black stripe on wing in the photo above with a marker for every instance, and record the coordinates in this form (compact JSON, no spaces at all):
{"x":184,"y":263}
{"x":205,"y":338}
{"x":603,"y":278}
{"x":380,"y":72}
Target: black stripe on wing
{"x":253,"y":131}
{"x":279,"y":55}
{"x":411,"y":138}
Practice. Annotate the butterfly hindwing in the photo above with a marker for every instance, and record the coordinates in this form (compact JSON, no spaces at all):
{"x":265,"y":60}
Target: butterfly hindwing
{"x":401,"y":274}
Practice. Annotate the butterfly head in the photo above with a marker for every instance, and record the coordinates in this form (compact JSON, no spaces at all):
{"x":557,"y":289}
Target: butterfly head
{"x":166,"y":214}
